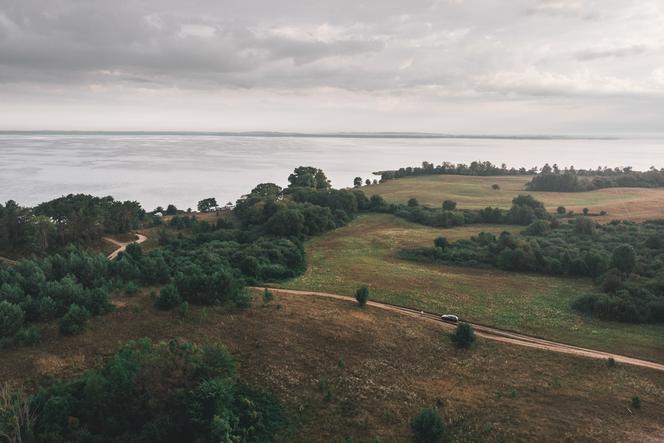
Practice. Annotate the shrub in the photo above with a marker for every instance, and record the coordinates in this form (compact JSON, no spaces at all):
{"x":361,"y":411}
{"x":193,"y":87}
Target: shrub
{"x":412,"y":202}
{"x":169,"y":298}
{"x":611,"y":362}
{"x":11,"y":318}
{"x":586,"y":211}
{"x":624,"y":258}
{"x":449,"y":205}
{"x":495,"y":186}
{"x":131,"y":288}
{"x":427,"y":427}
{"x":74,"y":321}
{"x":561,"y":210}
{"x":28,"y":336}
{"x":636,"y":402}
{"x":362,"y":295}
{"x":441,"y":242}
{"x":267,"y":296}
{"x":464,"y":336}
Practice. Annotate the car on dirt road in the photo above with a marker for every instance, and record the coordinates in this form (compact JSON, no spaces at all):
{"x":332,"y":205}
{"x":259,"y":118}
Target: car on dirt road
{"x":449,"y":318}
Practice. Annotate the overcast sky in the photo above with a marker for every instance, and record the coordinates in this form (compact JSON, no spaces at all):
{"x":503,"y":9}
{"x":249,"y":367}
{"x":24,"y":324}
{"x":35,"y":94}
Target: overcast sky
{"x":458,"y":66}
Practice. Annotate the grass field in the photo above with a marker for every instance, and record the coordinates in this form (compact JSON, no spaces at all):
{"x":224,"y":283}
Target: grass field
{"x":365,"y":253}
{"x":476,"y":192}
{"x":343,"y":371}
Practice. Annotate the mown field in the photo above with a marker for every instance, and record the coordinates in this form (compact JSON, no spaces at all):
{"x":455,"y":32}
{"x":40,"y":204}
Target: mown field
{"x":365,"y":253}
{"x":342,"y":371}
{"x":475,"y":192}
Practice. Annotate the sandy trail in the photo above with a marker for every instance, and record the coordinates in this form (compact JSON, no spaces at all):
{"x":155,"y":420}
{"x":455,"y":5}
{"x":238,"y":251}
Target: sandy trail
{"x":122,"y":246}
{"x":489,"y":332}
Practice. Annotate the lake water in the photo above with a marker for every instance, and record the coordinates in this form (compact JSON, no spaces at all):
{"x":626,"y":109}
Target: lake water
{"x":158,"y":169}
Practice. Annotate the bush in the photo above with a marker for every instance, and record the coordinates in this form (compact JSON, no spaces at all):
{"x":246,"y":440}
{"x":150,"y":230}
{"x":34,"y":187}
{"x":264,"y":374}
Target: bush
{"x":495,"y":186}
{"x":449,"y":205}
{"x":412,"y":202}
{"x":636,"y":402}
{"x":441,"y":242}
{"x":267,"y":296}
{"x":169,"y":298}
{"x":131,"y":288}
{"x":362,"y":295}
{"x":28,"y":336}
{"x":624,"y":258}
{"x":561,"y":210}
{"x":427,"y":427}
{"x":11,"y":318}
{"x":464,"y":336}
{"x":74,"y":321}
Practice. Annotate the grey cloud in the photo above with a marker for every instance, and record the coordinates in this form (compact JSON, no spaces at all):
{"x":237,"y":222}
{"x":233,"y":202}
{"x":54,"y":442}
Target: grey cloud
{"x":626,"y":51}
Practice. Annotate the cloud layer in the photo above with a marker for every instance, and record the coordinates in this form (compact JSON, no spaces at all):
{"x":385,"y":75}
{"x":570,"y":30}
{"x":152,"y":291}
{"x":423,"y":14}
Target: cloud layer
{"x":478,"y":66}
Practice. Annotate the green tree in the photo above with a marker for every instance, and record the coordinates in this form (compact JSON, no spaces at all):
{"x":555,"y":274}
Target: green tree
{"x":561,"y":210}
{"x":362,"y":296}
{"x":11,"y":318}
{"x":412,"y":202}
{"x":266,"y":190}
{"x":74,"y":321}
{"x":464,"y":336}
{"x":449,"y":205}
{"x":427,"y":427}
{"x":624,"y":258}
{"x":357,"y":182}
{"x":207,"y":204}
{"x":441,"y":242}
{"x":169,"y":298}
{"x":171,"y":210}
{"x":308,"y":177}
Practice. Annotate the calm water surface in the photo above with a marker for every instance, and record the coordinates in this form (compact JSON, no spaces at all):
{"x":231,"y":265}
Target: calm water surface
{"x":182,"y":169}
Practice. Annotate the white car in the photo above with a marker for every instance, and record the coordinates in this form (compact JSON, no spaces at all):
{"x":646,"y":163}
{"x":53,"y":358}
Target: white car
{"x":450,"y":318}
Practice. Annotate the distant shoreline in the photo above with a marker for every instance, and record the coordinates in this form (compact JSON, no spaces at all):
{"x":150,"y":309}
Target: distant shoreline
{"x":374,"y":135}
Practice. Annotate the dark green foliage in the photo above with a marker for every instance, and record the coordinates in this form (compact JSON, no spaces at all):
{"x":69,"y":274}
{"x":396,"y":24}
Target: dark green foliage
{"x":74,"y":321}
{"x":362,"y":296}
{"x":171,"y":210}
{"x":51,"y":226}
{"x":631,"y":281}
{"x":207,"y":204}
{"x":636,"y":402}
{"x":464,"y":335}
{"x":610,"y":362}
{"x":561,"y":210}
{"x":476,"y":168}
{"x":11,"y":318}
{"x":28,"y":336}
{"x":308,"y":177}
{"x":427,"y":427}
{"x":588,"y":180}
{"x":412,"y":202}
{"x":169,"y":298}
{"x":441,"y":242}
{"x":267,"y":296}
{"x":156,"y":393}
{"x":624,"y":258}
{"x":449,"y":205}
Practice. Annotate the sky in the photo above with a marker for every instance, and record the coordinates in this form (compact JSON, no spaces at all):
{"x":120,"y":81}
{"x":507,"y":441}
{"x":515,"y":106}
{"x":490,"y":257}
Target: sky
{"x":444,"y":66}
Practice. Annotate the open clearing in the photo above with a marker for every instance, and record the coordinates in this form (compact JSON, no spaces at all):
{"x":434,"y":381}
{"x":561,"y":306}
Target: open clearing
{"x":365,"y":253}
{"x":392,"y":367}
{"x":635,"y":204}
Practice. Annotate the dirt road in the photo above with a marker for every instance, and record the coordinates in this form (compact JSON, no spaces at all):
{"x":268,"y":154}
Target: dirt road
{"x":122,"y":246}
{"x":488,"y":332}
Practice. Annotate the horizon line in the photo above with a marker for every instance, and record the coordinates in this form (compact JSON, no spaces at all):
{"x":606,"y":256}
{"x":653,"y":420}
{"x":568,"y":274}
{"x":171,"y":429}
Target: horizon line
{"x":341,"y":134}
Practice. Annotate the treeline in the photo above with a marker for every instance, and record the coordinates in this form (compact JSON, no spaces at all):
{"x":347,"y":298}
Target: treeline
{"x":577,"y":181}
{"x":625,"y":259}
{"x":476,"y":168}
{"x":50,"y":226}
{"x":167,"y":392}
{"x":525,"y":210}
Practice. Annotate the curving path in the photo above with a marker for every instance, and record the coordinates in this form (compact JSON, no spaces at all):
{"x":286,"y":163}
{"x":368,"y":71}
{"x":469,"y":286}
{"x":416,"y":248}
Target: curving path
{"x":488,"y":332}
{"x":122,"y":246}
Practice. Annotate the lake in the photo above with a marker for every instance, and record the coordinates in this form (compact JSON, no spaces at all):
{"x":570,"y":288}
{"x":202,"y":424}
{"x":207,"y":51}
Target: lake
{"x":157,"y":169}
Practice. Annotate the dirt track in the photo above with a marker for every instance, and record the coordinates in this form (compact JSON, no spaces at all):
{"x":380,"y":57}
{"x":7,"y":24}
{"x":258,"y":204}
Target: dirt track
{"x":122,"y":246}
{"x":489,"y":332}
